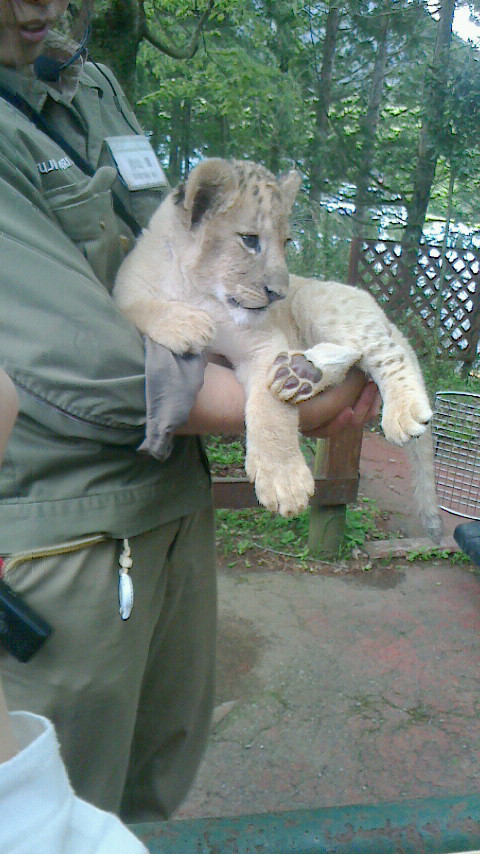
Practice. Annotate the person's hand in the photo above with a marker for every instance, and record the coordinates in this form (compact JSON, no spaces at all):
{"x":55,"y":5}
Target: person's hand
{"x":220,"y":405}
{"x":354,"y":402}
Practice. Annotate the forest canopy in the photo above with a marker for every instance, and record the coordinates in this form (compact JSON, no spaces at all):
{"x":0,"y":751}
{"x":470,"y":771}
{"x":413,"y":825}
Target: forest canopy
{"x":376,"y":103}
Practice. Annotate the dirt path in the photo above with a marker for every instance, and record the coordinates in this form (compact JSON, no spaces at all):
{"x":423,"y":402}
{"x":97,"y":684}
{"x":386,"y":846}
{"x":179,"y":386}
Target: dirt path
{"x":343,"y":687}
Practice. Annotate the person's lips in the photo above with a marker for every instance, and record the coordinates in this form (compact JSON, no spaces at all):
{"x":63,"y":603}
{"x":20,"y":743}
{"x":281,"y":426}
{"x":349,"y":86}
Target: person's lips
{"x":34,"y":32}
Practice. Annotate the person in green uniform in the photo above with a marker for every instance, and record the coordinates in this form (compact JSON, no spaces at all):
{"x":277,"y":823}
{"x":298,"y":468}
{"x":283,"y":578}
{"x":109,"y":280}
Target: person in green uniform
{"x":106,"y":523}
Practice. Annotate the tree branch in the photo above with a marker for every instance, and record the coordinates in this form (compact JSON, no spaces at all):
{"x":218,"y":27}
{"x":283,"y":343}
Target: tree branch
{"x":170,"y":50}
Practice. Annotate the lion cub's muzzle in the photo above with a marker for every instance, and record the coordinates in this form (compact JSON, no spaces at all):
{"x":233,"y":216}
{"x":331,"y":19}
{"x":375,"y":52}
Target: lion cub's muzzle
{"x":256,"y":298}
{"x":257,"y":301}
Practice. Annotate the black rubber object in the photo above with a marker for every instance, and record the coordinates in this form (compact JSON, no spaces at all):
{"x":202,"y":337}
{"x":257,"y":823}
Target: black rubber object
{"x":468,"y":538}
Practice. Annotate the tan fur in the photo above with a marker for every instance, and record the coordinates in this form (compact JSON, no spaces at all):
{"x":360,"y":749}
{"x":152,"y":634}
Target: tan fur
{"x":210,"y":270}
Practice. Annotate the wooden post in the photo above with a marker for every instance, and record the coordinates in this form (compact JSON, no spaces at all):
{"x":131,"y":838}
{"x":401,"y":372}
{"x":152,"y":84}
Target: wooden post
{"x":353,"y":259}
{"x":336,"y":465}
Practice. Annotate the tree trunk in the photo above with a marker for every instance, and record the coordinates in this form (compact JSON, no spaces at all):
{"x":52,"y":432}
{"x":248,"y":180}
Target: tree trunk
{"x":119,"y":27}
{"x":116,"y":34}
{"x":431,"y":129}
{"x":368,"y":127}
{"x":323,"y":99}
{"x":282,"y":16}
{"x":174,"y":165}
{"x":440,"y":284}
{"x":186,"y":134}
{"x":223,"y":136}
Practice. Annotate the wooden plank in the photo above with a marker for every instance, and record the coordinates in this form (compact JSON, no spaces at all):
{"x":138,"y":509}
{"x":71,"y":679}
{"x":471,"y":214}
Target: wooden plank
{"x":237,"y":493}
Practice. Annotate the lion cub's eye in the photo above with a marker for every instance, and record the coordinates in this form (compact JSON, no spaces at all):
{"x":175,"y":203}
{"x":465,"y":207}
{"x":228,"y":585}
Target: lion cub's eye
{"x":251,"y":241}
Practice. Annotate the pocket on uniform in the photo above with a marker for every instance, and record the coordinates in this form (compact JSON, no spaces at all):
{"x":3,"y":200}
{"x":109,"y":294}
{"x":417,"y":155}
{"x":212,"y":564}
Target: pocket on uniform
{"x":85,"y":213}
{"x":25,"y":570}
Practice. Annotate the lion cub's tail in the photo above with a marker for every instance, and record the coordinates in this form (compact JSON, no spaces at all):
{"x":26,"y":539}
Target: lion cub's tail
{"x":420,"y":453}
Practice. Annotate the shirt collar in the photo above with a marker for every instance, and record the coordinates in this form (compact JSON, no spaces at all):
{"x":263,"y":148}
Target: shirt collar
{"x":24,"y":83}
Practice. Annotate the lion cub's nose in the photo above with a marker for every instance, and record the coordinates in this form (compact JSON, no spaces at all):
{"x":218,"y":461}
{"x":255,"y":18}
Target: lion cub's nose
{"x":272,"y":296}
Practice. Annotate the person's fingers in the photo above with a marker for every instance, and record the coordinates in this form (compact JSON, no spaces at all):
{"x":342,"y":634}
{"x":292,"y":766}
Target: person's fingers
{"x":367,"y":405}
{"x":336,"y":425}
{"x":363,"y":410}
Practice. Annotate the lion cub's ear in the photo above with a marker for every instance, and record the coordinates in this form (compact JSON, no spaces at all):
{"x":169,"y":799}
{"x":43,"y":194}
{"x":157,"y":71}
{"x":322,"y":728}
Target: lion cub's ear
{"x":289,"y":184}
{"x":211,"y":188}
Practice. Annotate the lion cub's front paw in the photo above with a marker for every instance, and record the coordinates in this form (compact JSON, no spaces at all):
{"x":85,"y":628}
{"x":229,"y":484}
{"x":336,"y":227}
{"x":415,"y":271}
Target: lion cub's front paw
{"x":405,"y":417}
{"x":294,"y":378}
{"x":182,"y":329}
{"x":281,"y":486}
{"x":297,"y":376}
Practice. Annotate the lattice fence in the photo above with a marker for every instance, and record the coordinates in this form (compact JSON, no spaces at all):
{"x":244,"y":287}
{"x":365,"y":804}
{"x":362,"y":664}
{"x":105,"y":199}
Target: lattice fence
{"x":450,"y":301}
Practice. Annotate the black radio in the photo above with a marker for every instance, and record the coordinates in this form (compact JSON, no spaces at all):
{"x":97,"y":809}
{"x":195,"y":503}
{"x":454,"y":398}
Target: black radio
{"x":22,"y":630}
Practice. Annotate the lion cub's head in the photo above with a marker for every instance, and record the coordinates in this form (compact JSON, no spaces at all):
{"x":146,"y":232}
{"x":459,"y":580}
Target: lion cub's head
{"x":237,"y":213}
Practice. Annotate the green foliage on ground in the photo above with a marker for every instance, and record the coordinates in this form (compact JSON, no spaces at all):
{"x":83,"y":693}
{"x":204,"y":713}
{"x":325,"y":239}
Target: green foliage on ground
{"x":240,"y":531}
{"x":243,"y":531}
{"x":225,"y":452}
{"x":437,"y":554}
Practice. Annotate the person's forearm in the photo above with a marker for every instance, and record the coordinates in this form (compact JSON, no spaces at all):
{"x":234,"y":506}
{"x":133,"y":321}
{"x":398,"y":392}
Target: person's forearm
{"x":8,"y":409}
{"x":220,"y":404}
{"x":8,"y":413}
{"x":8,"y":745}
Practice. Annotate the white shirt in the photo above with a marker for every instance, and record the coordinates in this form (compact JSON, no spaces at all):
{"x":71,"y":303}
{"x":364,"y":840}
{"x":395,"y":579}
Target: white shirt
{"x":39,"y":812}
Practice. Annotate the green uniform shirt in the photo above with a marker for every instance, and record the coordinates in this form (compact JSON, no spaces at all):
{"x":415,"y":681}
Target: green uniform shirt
{"x":71,"y":466}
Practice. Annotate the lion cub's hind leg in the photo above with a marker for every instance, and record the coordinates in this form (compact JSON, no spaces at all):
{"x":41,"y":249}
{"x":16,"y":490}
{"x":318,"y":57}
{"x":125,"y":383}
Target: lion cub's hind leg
{"x":180,"y":327}
{"x":296,"y":376}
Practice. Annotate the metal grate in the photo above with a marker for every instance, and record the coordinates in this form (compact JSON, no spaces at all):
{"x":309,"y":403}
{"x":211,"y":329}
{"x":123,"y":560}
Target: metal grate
{"x":456,"y":433}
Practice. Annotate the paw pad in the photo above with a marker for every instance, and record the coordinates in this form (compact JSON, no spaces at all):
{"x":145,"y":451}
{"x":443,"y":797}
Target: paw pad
{"x":294,"y":377}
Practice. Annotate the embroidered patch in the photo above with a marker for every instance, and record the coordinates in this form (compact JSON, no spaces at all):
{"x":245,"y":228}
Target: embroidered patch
{"x":54,"y":165}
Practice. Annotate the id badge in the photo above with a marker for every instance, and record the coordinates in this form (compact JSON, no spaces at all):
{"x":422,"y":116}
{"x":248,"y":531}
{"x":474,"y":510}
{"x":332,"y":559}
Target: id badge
{"x":136,"y":162}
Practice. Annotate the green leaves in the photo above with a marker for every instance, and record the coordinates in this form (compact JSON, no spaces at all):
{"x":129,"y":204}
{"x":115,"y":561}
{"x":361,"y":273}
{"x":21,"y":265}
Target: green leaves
{"x":291,"y":84}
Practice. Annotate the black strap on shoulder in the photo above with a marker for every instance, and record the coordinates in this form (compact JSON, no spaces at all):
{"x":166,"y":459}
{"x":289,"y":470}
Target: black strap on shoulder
{"x":37,"y":119}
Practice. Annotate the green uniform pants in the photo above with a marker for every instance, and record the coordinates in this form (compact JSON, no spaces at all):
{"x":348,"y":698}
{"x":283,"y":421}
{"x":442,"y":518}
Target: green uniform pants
{"x":131,"y":700}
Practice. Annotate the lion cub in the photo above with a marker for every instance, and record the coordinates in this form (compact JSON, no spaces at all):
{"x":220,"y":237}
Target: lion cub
{"x":210,"y":271}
